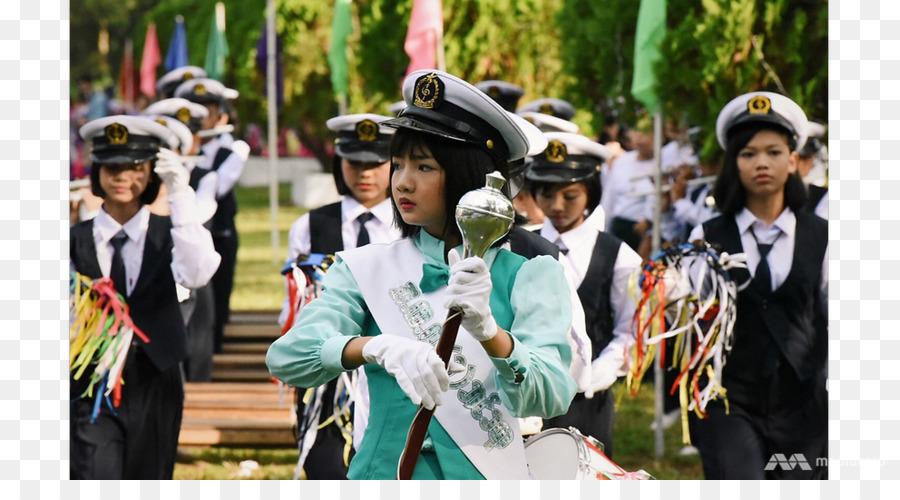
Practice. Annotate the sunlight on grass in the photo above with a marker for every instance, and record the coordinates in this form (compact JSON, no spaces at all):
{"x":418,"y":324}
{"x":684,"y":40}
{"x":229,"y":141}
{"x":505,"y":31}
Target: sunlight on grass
{"x":257,"y":282}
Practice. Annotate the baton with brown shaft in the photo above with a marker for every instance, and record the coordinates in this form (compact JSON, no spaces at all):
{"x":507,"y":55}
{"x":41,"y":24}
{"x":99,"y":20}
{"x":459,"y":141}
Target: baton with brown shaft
{"x":483,"y":216}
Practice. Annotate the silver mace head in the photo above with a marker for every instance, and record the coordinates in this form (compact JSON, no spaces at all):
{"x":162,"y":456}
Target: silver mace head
{"x":484,"y":216}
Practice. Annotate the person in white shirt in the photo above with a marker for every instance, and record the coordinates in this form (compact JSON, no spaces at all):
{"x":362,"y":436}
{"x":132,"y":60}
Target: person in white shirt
{"x":775,"y":373}
{"x":565,"y":181}
{"x":226,"y":157}
{"x":144,"y":255}
{"x":362,"y":174}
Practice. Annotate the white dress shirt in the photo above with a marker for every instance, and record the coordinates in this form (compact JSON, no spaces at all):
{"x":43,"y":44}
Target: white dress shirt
{"x":781,"y":257}
{"x":618,"y":184}
{"x":194,"y":259}
{"x":579,"y":243}
{"x":230,"y":170}
{"x":380,"y":228}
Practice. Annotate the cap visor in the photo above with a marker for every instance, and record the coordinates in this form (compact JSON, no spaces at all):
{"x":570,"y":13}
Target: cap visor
{"x":363,"y":156}
{"x":120,"y":157}
{"x":416,"y":123}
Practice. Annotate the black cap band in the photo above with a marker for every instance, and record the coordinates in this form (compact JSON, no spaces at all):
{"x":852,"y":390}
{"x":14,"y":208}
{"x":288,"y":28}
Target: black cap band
{"x":455,"y":123}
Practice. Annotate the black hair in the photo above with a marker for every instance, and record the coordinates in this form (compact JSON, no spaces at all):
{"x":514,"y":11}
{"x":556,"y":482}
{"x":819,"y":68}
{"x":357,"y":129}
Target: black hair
{"x":729,"y":192}
{"x":465,"y":167}
{"x":148,"y":196}
{"x":592,"y":184}
{"x":338,"y":174}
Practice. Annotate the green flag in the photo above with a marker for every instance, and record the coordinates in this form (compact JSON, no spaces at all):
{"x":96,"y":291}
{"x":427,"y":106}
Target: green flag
{"x":341,"y":28}
{"x":651,"y":28}
{"x":217,"y":46}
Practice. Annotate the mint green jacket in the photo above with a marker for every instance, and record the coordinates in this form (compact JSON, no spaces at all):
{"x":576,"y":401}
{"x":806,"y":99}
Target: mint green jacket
{"x":530,"y":299}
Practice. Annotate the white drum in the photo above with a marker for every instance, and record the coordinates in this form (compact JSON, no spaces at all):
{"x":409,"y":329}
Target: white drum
{"x":567,"y":454}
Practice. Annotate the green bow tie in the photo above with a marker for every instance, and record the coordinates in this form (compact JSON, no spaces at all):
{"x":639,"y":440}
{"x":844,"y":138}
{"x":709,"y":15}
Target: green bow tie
{"x":434,"y":276}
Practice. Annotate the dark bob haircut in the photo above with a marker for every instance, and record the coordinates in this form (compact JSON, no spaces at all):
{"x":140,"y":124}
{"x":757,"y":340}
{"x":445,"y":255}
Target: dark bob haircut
{"x":465,"y":167}
{"x":592,"y":184}
{"x":147,"y":197}
{"x":729,"y":192}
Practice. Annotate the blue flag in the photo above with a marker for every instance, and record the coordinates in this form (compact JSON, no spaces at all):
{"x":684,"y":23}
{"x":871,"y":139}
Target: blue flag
{"x":177,"y":56}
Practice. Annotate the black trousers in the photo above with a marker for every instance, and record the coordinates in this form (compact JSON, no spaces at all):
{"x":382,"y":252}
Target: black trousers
{"x":592,"y":417}
{"x":139,"y":441}
{"x":199,"y":318}
{"x":623,"y":229}
{"x":778,"y":432}
{"x":226,"y":244}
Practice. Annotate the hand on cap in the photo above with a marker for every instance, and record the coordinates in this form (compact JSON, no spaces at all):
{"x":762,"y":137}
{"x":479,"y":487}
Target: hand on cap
{"x":172,"y":172}
{"x":469,"y":288}
{"x":415,"y":365}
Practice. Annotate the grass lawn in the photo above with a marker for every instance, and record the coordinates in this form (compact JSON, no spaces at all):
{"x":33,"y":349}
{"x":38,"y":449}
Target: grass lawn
{"x":257,"y":282}
{"x":259,"y":286}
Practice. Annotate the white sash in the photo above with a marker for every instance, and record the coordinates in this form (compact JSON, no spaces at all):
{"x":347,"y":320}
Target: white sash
{"x":472,"y":414}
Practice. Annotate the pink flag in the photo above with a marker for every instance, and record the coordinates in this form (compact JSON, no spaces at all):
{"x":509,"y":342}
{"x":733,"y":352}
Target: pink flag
{"x":426,"y":28}
{"x":149,"y":61}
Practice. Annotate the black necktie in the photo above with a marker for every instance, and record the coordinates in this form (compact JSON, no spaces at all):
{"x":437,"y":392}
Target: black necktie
{"x":363,"y":238}
{"x":763,"y":277}
{"x":117,"y":270}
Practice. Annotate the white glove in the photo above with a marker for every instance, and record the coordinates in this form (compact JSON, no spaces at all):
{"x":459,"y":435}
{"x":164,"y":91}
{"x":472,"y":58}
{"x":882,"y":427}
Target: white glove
{"x":603,"y":375}
{"x":469,"y":288}
{"x":172,"y":172}
{"x":415,"y":365}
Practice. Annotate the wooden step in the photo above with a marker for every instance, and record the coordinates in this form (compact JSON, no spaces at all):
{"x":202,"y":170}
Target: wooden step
{"x":253,"y":317}
{"x":251,"y":332}
{"x":245,"y":347}
{"x":240,"y":375}
{"x":236,"y":433}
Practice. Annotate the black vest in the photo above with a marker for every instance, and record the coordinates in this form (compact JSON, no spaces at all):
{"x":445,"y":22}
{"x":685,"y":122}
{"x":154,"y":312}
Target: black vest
{"x":594,"y":292}
{"x":814,"y":196}
{"x":223,"y":220}
{"x":325,"y":234}
{"x":789,"y":324}
{"x":153,"y":303}
{"x":530,"y":245}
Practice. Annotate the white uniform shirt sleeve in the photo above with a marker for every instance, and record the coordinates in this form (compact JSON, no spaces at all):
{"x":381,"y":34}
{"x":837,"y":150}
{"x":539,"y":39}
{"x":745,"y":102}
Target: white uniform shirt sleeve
{"x":627,"y":263}
{"x":194,"y":258}
{"x":229,"y":172}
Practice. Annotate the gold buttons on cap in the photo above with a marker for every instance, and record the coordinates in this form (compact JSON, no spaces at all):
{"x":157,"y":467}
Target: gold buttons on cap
{"x":490,"y":144}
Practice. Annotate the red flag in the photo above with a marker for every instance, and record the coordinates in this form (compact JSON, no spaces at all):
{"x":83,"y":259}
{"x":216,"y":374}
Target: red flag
{"x":426,"y":28}
{"x":126,"y":74}
{"x":149,"y":61}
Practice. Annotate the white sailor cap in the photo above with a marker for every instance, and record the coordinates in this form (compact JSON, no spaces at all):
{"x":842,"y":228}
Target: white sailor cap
{"x":361,"y":138}
{"x":815,"y":132}
{"x":549,"y":123}
{"x":766,"y":107}
{"x":206,"y":91}
{"x":506,"y":94}
{"x":126,"y":139}
{"x":396,"y":107}
{"x":187,"y":112}
{"x":550,"y":106}
{"x":167,"y":84}
{"x":568,"y":158}
{"x":182,"y":132}
{"x":444,"y":105}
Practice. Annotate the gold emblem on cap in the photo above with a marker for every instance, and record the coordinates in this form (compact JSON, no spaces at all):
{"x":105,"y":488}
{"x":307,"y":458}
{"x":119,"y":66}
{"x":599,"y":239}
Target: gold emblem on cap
{"x":759,"y":105}
{"x":367,"y":130}
{"x":187,"y":76}
{"x":117,"y":133}
{"x":183,"y":115}
{"x":161,"y":122}
{"x":200,"y":89}
{"x":556,"y":151}
{"x":546,"y":108}
{"x":428,"y":90}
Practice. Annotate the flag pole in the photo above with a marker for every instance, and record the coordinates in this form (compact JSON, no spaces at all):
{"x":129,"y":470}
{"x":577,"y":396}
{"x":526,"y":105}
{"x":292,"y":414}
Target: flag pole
{"x":273,"y":125}
{"x":656,"y":243}
{"x":440,"y":50}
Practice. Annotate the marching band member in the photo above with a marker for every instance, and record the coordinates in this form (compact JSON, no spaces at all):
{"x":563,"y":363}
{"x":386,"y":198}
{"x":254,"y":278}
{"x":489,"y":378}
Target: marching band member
{"x":775,"y":372}
{"x":565,"y":181}
{"x":382,"y":305}
{"x":144,"y":255}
